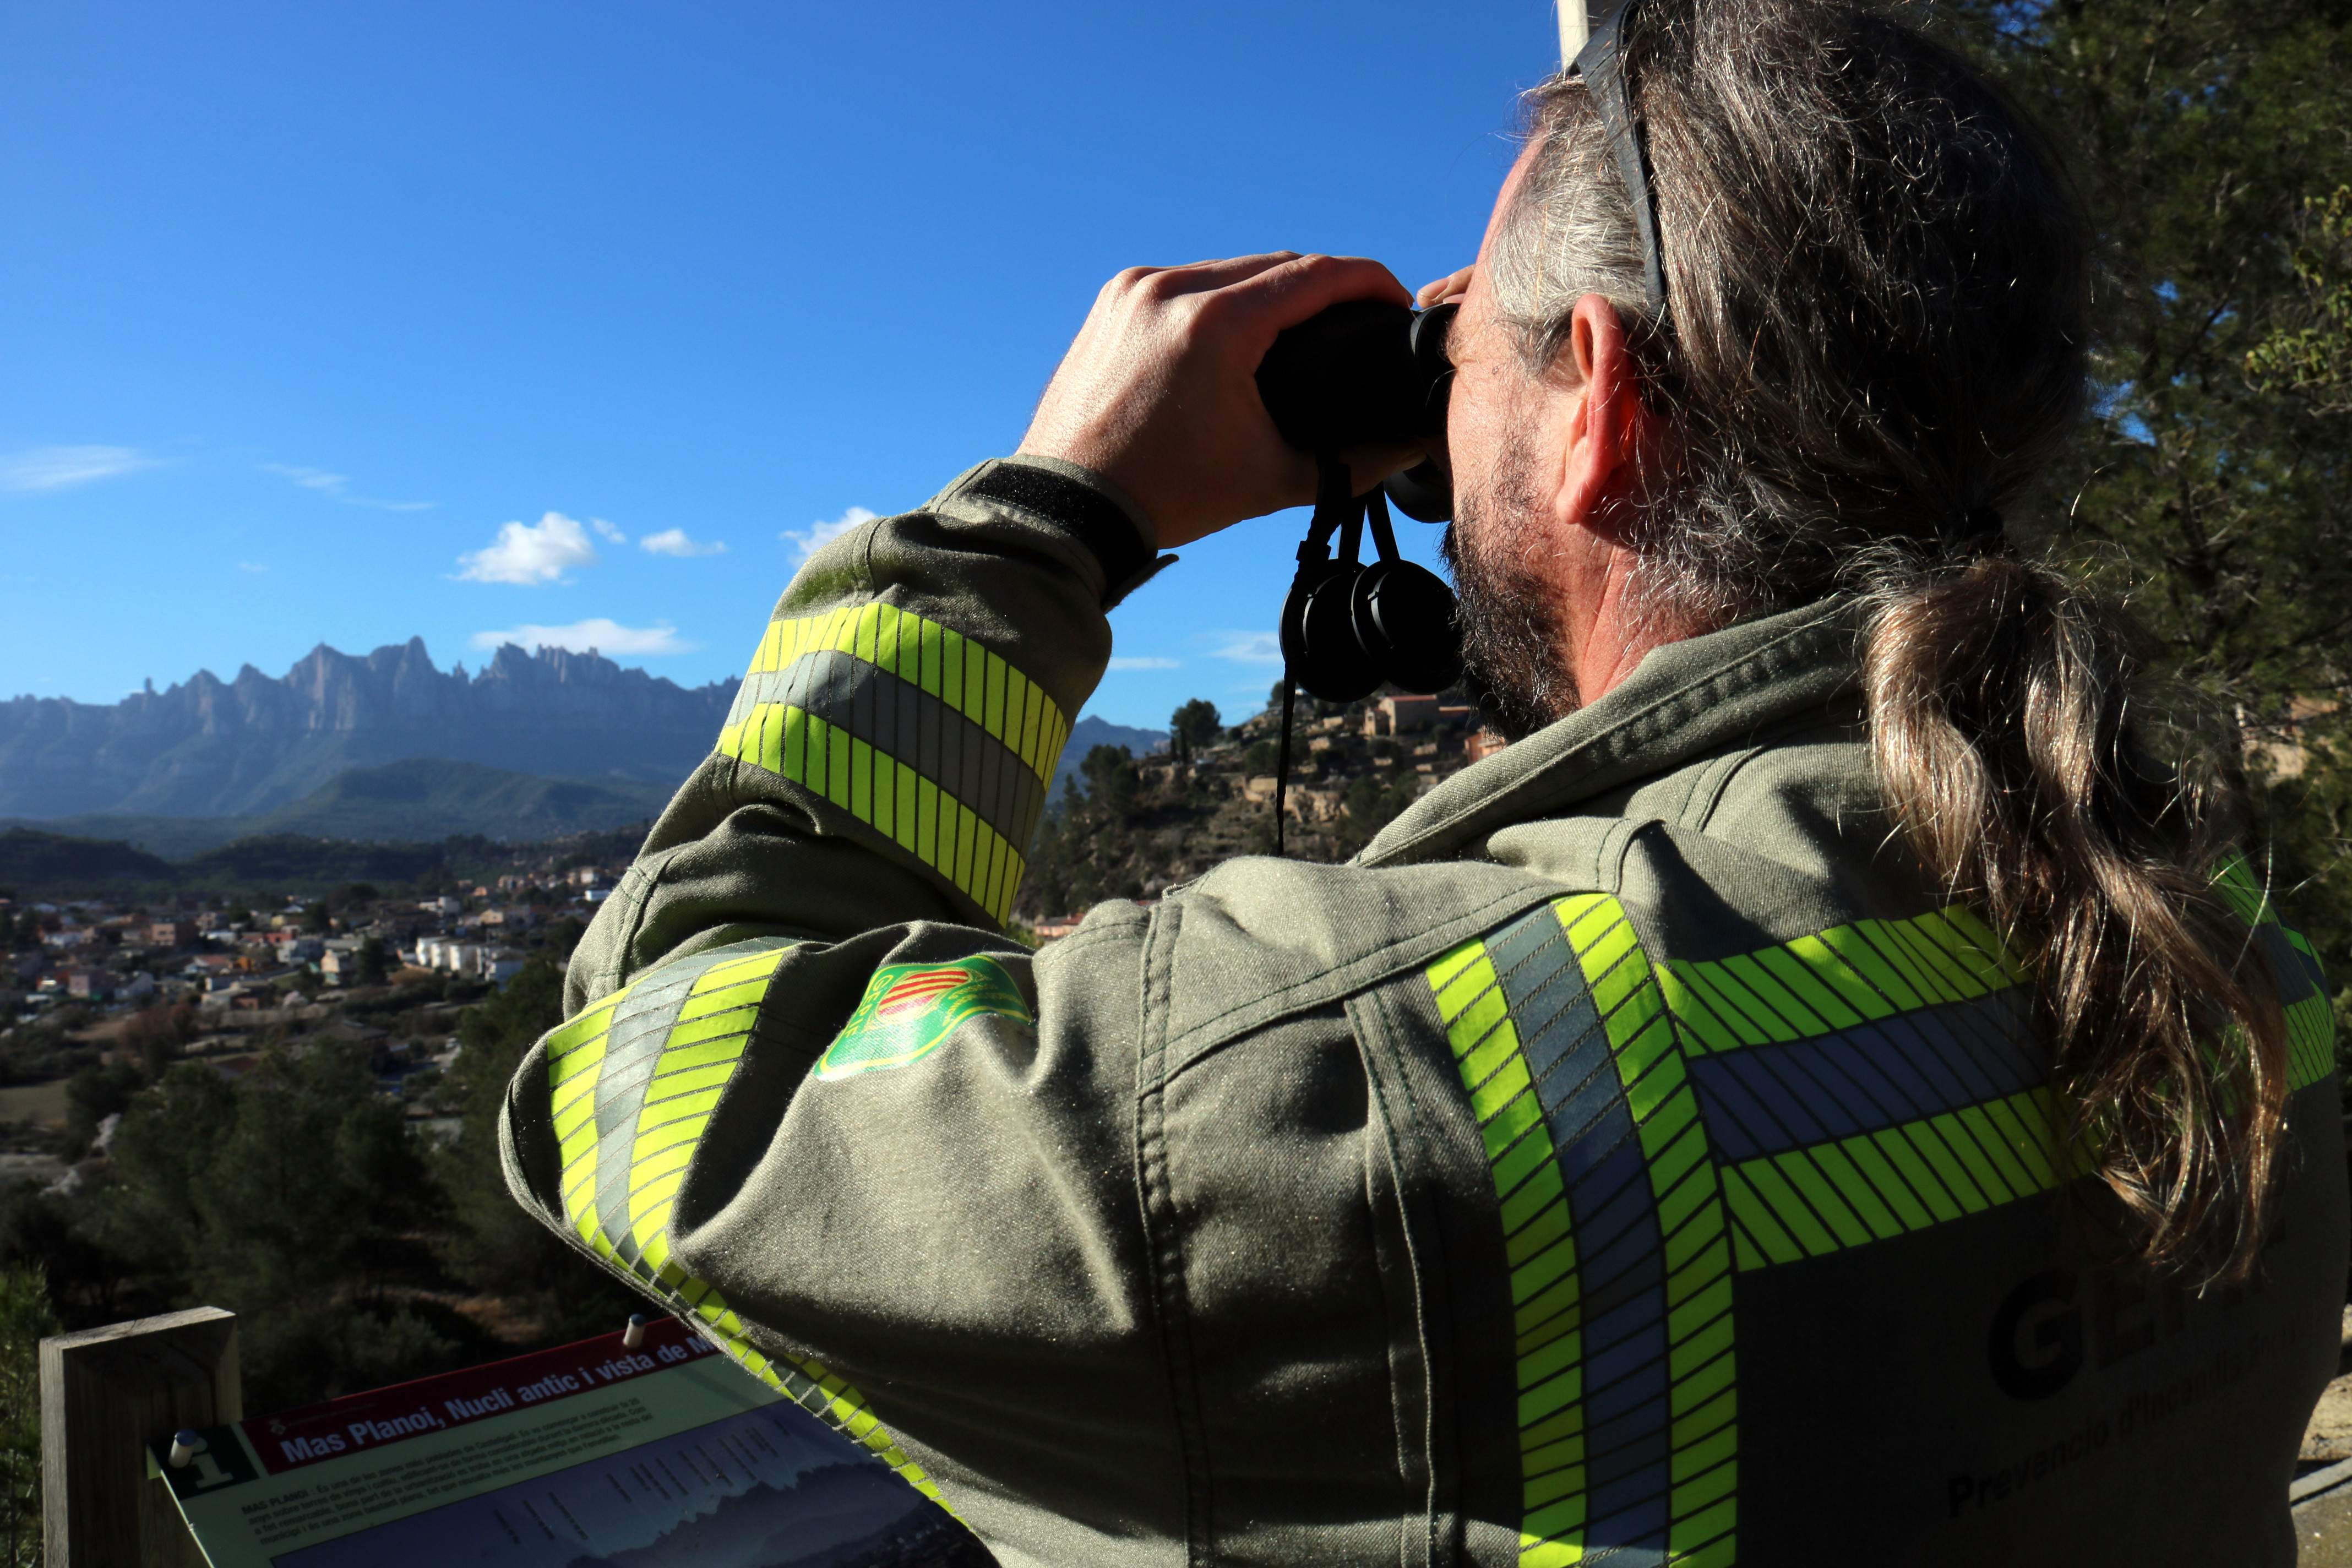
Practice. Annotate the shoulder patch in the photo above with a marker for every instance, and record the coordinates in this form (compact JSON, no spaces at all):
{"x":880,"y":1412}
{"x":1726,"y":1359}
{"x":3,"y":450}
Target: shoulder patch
{"x":909,"y":1010}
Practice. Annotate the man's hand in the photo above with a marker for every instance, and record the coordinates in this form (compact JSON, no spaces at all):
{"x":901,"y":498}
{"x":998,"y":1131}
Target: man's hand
{"x":1158,"y":394}
{"x":1452,"y":286}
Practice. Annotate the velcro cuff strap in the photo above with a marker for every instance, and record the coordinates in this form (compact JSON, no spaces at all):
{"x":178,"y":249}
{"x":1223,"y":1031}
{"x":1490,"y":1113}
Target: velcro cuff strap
{"x":1098,"y":522}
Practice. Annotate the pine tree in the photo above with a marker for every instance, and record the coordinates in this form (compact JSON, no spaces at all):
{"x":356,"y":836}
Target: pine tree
{"x":2213,"y":484}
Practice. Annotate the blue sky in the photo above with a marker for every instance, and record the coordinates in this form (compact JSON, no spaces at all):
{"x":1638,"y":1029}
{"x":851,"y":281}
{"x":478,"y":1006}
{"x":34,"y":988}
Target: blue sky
{"x":342,"y":325}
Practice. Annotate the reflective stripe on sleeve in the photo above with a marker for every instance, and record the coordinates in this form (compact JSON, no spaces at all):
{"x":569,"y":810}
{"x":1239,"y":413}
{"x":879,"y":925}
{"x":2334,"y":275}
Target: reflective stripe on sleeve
{"x":928,"y":737}
{"x":632,"y":1082}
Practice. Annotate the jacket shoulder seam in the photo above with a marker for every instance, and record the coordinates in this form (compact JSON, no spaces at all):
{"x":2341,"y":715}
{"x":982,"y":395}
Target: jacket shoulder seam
{"x":1714,"y":783}
{"x":1163,"y":1237}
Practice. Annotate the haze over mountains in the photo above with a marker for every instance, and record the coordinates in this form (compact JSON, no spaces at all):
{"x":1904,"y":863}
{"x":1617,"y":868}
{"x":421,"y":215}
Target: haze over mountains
{"x":383,"y":747}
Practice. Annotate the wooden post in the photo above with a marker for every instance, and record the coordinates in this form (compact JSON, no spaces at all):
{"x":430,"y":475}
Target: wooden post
{"x":105,"y":1394}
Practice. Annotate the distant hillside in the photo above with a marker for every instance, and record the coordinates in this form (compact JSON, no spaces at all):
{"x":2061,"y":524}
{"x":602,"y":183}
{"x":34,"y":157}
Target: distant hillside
{"x":1089,"y":733}
{"x":431,"y":799}
{"x":422,"y":800}
{"x":247,"y":747}
{"x":308,"y":865}
{"x":38,"y":864}
{"x":391,"y":824}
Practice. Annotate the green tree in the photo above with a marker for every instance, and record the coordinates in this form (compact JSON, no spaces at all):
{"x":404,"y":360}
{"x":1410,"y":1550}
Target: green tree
{"x":376,"y":962}
{"x":49,"y":1231}
{"x":156,"y":1032}
{"x":25,"y":1318}
{"x":2314,"y":359}
{"x":95,"y":1093}
{"x":1193,"y":725}
{"x":560,"y":936}
{"x":494,"y":1244}
{"x":289,"y":1198}
{"x":2209,"y":141}
{"x":1370,"y":803}
{"x":1112,"y":782}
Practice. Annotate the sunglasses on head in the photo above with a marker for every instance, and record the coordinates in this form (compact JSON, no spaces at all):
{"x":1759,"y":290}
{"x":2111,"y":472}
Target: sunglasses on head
{"x":1601,"y":63}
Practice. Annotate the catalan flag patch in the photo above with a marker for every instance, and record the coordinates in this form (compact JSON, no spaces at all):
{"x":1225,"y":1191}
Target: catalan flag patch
{"x":909,"y":1010}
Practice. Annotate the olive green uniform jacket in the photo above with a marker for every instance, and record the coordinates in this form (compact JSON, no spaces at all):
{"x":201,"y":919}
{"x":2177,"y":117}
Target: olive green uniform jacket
{"x":1625,"y":1159}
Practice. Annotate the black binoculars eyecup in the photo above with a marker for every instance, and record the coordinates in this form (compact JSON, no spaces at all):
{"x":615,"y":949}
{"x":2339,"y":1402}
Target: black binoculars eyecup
{"x":1367,"y":374}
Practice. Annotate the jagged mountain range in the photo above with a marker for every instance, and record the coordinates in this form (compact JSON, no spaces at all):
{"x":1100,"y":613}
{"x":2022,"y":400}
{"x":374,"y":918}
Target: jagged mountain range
{"x":277,"y":754}
{"x":207,"y":747}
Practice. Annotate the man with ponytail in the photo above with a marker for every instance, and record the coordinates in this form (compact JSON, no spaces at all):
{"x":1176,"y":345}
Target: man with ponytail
{"x":1836,"y":1089}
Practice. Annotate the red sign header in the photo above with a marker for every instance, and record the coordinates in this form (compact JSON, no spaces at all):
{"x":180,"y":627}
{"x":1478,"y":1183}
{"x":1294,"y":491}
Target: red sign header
{"x":405,"y":1410}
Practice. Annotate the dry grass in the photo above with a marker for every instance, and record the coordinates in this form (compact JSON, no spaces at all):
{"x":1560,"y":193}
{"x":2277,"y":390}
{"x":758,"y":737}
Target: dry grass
{"x":43,"y":1104}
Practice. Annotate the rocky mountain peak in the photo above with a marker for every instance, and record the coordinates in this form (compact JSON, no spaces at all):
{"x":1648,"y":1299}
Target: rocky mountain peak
{"x":203,"y":747}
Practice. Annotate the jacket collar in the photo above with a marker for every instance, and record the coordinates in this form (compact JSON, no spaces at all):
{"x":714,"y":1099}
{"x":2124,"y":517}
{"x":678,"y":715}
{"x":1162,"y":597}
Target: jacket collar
{"x":1684,"y":700}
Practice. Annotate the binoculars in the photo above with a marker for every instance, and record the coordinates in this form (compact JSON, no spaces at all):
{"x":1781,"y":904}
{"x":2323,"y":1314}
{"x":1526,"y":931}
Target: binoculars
{"x":1364,"y":374}
{"x":1367,"y":374}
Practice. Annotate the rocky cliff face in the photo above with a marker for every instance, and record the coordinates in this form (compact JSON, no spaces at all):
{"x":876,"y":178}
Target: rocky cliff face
{"x":212,"y":748}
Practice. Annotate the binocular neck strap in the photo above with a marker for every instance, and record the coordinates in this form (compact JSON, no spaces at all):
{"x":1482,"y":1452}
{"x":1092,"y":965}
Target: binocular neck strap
{"x":1282,"y":759}
{"x":1336,"y":510}
{"x":1376,"y":507}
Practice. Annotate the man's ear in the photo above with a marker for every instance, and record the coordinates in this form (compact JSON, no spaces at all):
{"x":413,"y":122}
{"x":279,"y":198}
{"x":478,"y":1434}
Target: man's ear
{"x":1604,"y":422}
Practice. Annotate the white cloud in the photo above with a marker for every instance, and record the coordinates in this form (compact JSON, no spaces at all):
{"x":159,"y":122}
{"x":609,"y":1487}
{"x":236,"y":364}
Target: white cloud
{"x":608,"y":529}
{"x":60,"y":467}
{"x":817,"y":535}
{"x":337,"y":487}
{"x":1247,"y":648}
{"x":674,"y":542}
{"x":253,"y":566}
{"x":530,"y":552}
{"x":1145,"y":663}
{"x":606,"y":636}
{"x":309,"y":479}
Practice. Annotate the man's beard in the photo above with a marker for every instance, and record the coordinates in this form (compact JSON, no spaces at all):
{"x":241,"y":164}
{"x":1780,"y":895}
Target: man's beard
{"x":1513,"y":643}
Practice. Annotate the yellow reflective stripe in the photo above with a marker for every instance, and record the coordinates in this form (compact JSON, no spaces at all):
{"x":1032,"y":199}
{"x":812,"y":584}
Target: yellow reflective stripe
{"x":2310,"y":1041}
{"x":667,"y":1105}
{"x":1872,"y":1185}
{"x":700,"y":1051}
{"x":660,"y":1160}
{"x":684,"y":1058}
{"x":1834,"y":979}
{"x":574,"y":1077}
{"x":937,"y":828}
{"x":718,"y":1026}
{"x":2243,"y":892}
{"x":588,"y":1028}
{"x":729,"y":991}
{"x":967,"y":674}
{"x":1538,"y":1246}
{"x":1702,"y":1463}
{"x":699,"y":1104}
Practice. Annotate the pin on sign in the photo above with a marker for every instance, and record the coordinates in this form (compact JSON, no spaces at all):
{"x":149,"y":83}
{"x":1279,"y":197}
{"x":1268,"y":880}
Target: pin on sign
{"x":635,"y":1334}
{"x":185,"y":1445}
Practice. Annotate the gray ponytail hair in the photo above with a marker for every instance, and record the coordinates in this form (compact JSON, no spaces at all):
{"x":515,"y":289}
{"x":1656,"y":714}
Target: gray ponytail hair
{"x":1875,"y":340}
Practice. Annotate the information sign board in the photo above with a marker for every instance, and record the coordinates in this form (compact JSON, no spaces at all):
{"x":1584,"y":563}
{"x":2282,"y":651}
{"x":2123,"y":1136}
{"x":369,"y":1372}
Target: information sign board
{"x":590,"y":1456}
